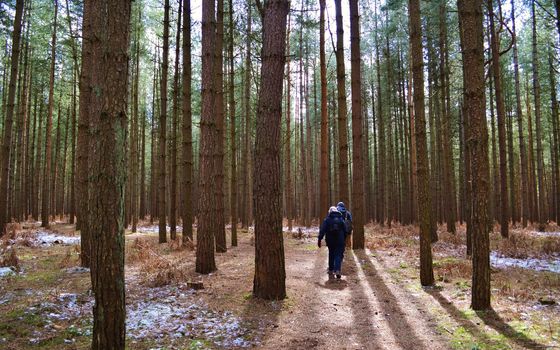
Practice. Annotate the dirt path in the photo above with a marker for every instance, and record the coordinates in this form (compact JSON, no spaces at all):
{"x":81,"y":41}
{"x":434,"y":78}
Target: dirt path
{"x":377,"y":304}
{"x":363,"y":310}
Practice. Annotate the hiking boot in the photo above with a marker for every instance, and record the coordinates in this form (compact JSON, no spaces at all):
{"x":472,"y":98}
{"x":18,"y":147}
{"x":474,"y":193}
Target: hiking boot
{"x":338,"y":275}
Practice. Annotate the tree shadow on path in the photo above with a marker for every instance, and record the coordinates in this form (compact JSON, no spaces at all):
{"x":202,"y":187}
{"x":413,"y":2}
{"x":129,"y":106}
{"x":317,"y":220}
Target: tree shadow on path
{"x":404,"y":334}
{"x":363,"y":326}
{"x":491,"y":318}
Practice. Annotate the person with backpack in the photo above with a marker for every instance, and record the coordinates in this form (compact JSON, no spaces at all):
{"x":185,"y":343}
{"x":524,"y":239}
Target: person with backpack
{"x":335,"y":232}
{"x":346,"y":216}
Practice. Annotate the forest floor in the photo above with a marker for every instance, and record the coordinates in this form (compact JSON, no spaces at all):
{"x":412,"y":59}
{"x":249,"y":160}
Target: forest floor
{"x":378,"y":303}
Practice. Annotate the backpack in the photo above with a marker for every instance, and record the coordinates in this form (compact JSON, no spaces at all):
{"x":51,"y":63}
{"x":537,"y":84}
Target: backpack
{"x":348,"y":223}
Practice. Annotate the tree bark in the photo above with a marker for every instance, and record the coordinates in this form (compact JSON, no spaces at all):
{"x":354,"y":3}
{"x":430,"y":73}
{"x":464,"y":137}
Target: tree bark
{"x":233,"y":135}
{"x":358,"y":199}
{"x":422,"y":170}
{"x":501,"y":116}
{"x":555,"y":151}
{"x":187,"y":126}
{"x":46,"y":195}
{"x":219,"y":216}
{"x":519,"y":112}
{"x":541,"y":205}
{"x":470,"y":14}
{"x":270,"y":275}
{"x":323,"y":192}
{"x":134,"y":127}
{"x":205,"y":262}
{"x":162,"y":188}
{"x":247,"y":112}
{"x":108,"y":110}
{"x":173,"y":189}
{"x":288,"y":151}
{"x":342,"y":108}
{"x":448,"y":166}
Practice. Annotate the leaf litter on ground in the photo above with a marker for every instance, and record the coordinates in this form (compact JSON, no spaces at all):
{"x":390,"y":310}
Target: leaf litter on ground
{"x":161,"y":313}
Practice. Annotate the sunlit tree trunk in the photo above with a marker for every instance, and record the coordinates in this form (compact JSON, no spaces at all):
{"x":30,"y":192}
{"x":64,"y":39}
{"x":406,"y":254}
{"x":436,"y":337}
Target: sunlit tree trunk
{"x":422,"y":169}
{"x":358,"y":203}
{"x":470,"y":14}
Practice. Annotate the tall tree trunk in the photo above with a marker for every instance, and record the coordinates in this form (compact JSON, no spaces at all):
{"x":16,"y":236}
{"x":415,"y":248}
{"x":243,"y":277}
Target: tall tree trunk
{"x":108,"y":114}
{"x":72,"y":204}
{"x":358,"y":199}
{"x":495,"y":199}
{"x":187,"y":126}
{"x":470,"y":14}
{"x":37,"y":179}
{"x":55,"y":163}
{"x":422,"y":169}
{"x":173,"y":190}
{"x":519,"y":112}
{"x":288,"y":150}
{"x":205,"y":262}
{"x":247,"y":111}
{"x":142,"y":210}
{"x":323,"y":192}
{"x":219,"y":216}
{"x":381,"y":182}
{"x":501,"y":116}
{"x":32,"y":174}
{"x":162,"y":188}
{"x":531,"y":157}
{"x":22,"y":132}
{"x":233,"y":135}
{"x":47,"y":169}
{"x":304,"y":194}
{"x":8,"y":121}
{"x":83,"y":149}
{"x":538,"y":127}
{"x":270,"y":275}
{"x":556,"y":141}
{"x":134,"y":127}
{"x":62,"y":186}
{"x":448,"y":167}
{"x":342,"y":108}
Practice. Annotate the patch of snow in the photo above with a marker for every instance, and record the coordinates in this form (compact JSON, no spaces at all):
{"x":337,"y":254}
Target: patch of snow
{"x":306,"y":232}
{"x":177,"y":316}
{"x":6,"y":298}
{"x":170,"y":312}
{"x":552,"y":265}
{"x":545,"y":234}
{"x":155,"y":229}
{"x":7,"y":271}
{"x":47,"y":239}
{"x":77,"y":269}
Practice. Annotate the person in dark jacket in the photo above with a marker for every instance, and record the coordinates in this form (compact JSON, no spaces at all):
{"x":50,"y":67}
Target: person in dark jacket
{"x":346,"y":215}
{"x":334,"y":231}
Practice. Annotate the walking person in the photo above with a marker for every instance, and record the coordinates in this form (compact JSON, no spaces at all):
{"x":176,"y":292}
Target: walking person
{"x":347,"y":217}
{"x":334,"y":231}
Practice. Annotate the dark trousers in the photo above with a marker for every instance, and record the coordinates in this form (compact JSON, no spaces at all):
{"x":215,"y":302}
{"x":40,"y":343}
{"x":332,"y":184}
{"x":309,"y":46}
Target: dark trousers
{"x":336,"y":255}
